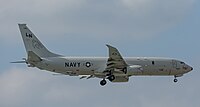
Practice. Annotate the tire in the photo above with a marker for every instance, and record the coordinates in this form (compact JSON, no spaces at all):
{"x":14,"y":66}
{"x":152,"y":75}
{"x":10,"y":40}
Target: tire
{"x":125,"y":70}
{"x":111,"y":78}
{"x":175,"y":80}
{"x":103,"y":82}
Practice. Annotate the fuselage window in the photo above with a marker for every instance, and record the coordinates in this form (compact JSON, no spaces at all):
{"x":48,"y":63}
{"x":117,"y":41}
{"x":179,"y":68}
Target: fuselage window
{"x":153,"y":62}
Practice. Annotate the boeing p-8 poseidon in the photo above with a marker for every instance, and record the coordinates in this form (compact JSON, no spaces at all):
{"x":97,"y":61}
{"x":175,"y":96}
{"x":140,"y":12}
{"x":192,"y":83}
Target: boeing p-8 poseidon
{"x":114,"y":68}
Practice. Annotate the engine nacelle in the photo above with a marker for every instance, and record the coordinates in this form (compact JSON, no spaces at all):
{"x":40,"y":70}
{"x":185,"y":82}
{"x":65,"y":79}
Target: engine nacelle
{"x":121,"y":79}
{"x":130,"y":70}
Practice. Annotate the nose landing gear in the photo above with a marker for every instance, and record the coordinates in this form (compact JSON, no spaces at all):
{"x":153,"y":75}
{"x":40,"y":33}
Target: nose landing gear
{"x":175,"y":80}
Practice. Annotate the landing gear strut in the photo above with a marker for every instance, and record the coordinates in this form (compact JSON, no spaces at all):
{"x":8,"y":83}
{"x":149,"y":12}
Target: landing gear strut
{"x":103,"y":82}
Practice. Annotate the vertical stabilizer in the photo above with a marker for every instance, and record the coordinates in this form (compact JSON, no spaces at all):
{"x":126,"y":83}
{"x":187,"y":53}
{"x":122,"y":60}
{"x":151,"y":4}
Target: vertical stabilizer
{"x":32,"y":44}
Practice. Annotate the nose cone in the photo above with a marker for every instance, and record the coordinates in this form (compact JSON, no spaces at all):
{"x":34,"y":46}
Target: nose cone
{"x":189,"y":68}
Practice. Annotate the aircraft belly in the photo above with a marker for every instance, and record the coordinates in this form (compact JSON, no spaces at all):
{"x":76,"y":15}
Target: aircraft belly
{"x":85,"y":72}
{"x":151,"y":71}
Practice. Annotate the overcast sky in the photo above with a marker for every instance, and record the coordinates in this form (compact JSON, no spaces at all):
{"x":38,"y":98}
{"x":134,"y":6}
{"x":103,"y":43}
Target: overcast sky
{"x":152,"y":28}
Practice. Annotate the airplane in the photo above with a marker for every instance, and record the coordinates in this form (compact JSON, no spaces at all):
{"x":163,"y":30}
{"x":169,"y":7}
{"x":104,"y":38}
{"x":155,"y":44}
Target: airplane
{"x":114,"y":68}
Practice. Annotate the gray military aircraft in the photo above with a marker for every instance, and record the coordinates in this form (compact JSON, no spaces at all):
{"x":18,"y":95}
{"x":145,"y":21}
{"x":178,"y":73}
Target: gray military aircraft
{"x":114,"y":68}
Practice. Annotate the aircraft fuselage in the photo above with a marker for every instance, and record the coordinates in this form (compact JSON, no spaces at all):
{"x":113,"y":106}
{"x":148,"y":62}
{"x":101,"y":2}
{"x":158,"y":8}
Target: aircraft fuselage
{"x":96,"y":65}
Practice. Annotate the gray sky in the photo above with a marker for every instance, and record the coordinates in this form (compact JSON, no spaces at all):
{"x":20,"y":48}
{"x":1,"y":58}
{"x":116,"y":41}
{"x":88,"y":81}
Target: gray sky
{"x":82,"y":28}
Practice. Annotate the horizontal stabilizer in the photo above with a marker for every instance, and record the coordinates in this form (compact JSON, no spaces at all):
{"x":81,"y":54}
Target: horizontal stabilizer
{"x":19,"y":62}
{"x":22,"y":61}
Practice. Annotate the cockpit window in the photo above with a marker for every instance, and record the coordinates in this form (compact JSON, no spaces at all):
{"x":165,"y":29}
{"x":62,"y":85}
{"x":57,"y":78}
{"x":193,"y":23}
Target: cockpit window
{"x":182,"y":62}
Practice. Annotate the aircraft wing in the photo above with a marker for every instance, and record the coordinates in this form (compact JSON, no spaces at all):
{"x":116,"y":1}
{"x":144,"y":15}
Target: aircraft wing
{"x":115,"y":60}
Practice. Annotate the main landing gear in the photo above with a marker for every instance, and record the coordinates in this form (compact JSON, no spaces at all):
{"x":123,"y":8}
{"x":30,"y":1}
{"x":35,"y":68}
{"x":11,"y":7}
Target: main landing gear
{"x":103,"y":82}
{"x":110,"y":78}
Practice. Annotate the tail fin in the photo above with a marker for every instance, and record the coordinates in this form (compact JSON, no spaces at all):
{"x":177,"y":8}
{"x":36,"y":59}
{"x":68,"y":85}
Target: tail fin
{"x":32,"y":44}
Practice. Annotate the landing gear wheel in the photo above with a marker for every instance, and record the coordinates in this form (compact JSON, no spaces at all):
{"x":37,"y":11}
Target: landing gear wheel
{"x":103,"y":82}
{"x":111,"y":78}
{"x":124,"y":70}
{"x":175,"y":80}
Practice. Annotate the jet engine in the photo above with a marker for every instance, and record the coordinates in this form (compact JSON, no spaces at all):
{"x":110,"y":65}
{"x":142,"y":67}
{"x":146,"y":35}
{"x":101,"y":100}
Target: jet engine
{"x":121,"y":79}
